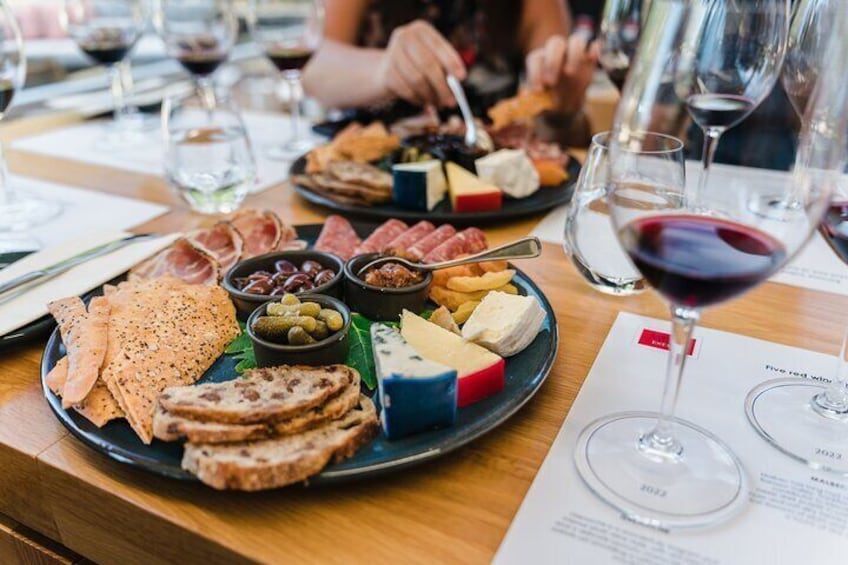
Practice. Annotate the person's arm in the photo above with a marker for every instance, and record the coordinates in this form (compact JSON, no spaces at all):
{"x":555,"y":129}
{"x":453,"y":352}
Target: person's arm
{"x":412,"y":67}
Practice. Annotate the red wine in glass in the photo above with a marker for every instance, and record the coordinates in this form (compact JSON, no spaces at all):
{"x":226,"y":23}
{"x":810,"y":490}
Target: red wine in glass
{"x":834,"y":228}
{"x":696,"y":261}
{"x":618,"y":76}
{"x":107,"y":46}
{"x":288,"y":58}
{"x":200,"y":56}
{"x":719,"y":110}
{"x":7,"y":92}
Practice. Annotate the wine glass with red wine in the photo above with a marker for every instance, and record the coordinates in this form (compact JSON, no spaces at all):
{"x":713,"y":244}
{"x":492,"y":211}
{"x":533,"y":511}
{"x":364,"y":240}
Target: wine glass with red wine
{"x":729,"y":65}
{"x":200,"y":35}
{"x":18,"y":211}
{"x":803,"y":418}
{"x":289,"y":32}
{"x":106,"y":31}
{"x":656,"y":468}
{"x":620,"y":28}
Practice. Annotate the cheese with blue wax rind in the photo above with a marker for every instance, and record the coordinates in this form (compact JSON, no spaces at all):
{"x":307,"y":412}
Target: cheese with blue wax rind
{"x":418,"y":186}
{"x":416,"y":395}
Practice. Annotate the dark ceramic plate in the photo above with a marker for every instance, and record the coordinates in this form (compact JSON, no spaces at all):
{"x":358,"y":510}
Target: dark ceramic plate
{"x":525,"y":373}
{"x":541,"y":201}
{"x":33,"y":330}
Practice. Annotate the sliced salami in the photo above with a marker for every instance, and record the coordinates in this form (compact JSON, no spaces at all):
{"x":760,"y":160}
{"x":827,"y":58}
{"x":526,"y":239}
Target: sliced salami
{"x":408,"y":238}
{"x":262,"y":231}
{"x":381,"y":237}
{"x":181,"y":259}
{"x":424,"y":246}
{"x":223,"y":241}
{"x":470,"y":240}
{"x":338,"y":237}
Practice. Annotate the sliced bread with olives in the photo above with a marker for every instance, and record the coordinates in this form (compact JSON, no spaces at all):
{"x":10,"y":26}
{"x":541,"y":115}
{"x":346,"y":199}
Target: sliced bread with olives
{"x":262,"y":395}
{"x":281,"y":461}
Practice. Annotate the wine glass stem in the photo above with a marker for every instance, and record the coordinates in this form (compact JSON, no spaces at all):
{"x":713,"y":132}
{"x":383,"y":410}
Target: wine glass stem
{"x":206,"y":91}
{"x":118,"y":99}
{"x":834,"y":400}
{"x":660,"y":442}
{"x":293,"y":80}
{"x":711,"y":139}
{"x":6,"y":194}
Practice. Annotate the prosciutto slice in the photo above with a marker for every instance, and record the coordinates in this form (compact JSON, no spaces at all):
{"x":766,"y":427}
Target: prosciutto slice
{"x":381,"y":237}
{"x":223,"y":241}
{"x":338,"y":237}
{"x":262,"y":231}
{"x":470,"y":240}
{"x":182,"y":259}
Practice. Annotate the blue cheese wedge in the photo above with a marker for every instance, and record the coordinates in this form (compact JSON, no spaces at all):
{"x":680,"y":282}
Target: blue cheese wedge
{"x":505,"y":323}
{"x":511,"y":170}
{"x":416,"y":395}
{"x":419,"y":186}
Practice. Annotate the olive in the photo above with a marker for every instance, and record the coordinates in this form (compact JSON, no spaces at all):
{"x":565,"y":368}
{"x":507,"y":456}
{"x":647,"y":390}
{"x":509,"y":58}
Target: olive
{"x":279,"y":279}
{"x":296,"y":283}
{"x":308,"y":285}
{"x":259,"y":275}
{"x":323,"y":277}
{"x":278,"y":291}
{"x":241,"y":282}
{"x":311,"y":267}
{"x":283,"y":266}
{"x":259,"y":286}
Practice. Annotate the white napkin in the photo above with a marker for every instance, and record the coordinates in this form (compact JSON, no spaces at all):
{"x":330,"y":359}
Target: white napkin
{"x":32,"y":305}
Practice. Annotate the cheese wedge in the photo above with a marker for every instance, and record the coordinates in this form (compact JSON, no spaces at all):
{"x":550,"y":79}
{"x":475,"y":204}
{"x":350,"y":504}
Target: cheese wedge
{"x":416,"y":394}
{"x":418,"y":186}
{"x":470,"y":194}
{"x":511,"y":170}
{"x":480,"y":372}
{"x":505,"y":323}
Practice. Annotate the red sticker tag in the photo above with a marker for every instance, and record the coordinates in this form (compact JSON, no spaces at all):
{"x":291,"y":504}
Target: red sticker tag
{"x":660,"y":340}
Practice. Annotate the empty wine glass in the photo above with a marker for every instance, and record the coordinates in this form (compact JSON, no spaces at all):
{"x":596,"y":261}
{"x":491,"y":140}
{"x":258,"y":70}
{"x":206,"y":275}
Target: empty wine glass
{"x":806,"y":419}
{"x":620,"y":28}
{"x":808,"y":34}
{"x":106,"y":31}
{"x":656,"y":468}
{"x":208,"y":157}
{"x":729,"y":64}
{"x":289,"y":32}
{"x":17,"y":211}
{"x":200,"y":35}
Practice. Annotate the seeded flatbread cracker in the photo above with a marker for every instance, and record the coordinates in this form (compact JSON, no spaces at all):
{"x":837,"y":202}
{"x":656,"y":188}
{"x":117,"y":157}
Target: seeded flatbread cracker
{"x":362,"y":174}
{"x":99,"y":407}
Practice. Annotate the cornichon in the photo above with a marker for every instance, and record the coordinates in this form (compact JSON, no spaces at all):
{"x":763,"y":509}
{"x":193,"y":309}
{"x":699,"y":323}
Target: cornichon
{"x":276,"y":327}
{"x":332,"y":318}
{"x":311,"y":309}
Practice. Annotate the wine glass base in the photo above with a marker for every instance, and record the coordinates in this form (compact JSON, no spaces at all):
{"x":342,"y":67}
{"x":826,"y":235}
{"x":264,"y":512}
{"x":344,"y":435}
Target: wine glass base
{"x":782,"y":412}
{"x":776,"y":207}
{"x":704,"y":486}
{"x":23,"y":212}
{"x":289,"y":151}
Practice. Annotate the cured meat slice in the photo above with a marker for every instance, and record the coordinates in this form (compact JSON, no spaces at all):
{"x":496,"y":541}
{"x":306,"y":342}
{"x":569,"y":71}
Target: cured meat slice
{"x":432,"y":241}
{"x":184,"y":260}
{"x":470,"y":240}
{"x":262,"y":230}
{"x":223,"y":241}
{"x":381,"y":237}
{"x":338,"y":237}
{"x":406,"y":240}
{"x":294,"y":245}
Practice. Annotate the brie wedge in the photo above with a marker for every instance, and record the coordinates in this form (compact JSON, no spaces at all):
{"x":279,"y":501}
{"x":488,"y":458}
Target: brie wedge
{"x":505,"y":323}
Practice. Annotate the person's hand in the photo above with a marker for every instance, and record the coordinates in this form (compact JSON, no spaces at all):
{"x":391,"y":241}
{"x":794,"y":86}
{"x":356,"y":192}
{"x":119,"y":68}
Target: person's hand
{"x":566,"y":66}
{"x":415,"y":65}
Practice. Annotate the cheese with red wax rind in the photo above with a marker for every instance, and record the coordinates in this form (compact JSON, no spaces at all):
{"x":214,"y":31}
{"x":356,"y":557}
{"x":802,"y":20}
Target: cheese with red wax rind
{"x":470,"y":194}
{"x":480,"y":372}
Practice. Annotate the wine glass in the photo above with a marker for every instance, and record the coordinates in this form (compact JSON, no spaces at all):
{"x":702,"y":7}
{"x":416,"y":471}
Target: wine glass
{"x":289,"y":32}
{"x":106,"y":31}
{"x":17,"y":211}
{"x":208,"y":157}
{"x":199,"y":34}
{"x":805,"y":419}
{"x":620,"y":27}
{"x":729,"y":65}
{"x":805,"y":49}
{"x":656,"y":468}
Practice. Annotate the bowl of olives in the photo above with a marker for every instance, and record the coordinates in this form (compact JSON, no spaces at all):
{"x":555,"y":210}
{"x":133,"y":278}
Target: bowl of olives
{"x":309,"y":329}
{"x":265,"y":278}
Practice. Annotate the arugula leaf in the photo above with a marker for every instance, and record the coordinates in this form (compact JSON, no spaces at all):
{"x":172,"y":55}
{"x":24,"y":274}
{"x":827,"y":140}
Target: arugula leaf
{"x":247,"y":360}
{"x":242,"y":349}
{"x":361,"y":357}
{"x":239,"y":344}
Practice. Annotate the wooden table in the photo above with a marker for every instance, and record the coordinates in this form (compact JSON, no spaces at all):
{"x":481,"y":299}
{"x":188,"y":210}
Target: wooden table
{"x":456,"y":509}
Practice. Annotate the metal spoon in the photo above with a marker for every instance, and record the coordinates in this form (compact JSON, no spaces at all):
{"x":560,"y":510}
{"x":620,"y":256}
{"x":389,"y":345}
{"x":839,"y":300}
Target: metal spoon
{"x":467,"y":117}
{"x":524,"y":248}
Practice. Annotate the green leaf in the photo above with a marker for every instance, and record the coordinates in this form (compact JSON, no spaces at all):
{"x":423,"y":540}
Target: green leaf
{"x":247,"y":360}
{"x":240,"y":343}
{"x":426,"y":314}
{"x":242,"y":349}
{"x":361,"y":357}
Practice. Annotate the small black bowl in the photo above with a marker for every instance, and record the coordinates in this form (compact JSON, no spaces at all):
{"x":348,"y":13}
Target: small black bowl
{"x":329,"y":351}
{"x":377,"y":303}
{"x":246,"y":302}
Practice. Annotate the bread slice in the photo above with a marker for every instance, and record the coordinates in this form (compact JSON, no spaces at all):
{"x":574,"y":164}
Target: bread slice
{"x":263,"y":395}
{"x":169,"y":427}
{"x":285,"y":460}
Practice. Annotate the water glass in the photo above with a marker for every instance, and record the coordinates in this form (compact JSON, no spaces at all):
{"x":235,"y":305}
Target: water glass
{"x":590,"y":241}
{"x":208,"y":157}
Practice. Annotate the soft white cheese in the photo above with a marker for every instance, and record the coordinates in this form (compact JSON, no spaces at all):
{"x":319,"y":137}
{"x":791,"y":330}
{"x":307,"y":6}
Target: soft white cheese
{"x":504,"y":323}
{"x":511,"y":170}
